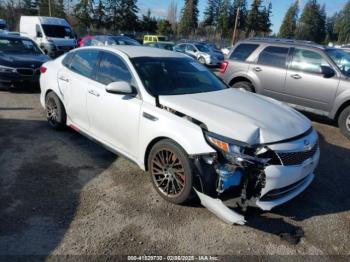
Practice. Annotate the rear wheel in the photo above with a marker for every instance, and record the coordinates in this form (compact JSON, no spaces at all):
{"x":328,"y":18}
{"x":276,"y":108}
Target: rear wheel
{"x":55,"y":112}
{"x":344,"y":122}
{"x":171,"y":171}
{"x":244,"y":85}
{"x":201,"y":60}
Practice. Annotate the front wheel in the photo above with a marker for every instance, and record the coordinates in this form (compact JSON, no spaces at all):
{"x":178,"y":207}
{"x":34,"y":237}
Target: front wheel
{"x":344,"y":122}
{"x":244,"y":85}
{"x":55,"y":112}
{"x":171,"y":171}
{"x":201,"y":60}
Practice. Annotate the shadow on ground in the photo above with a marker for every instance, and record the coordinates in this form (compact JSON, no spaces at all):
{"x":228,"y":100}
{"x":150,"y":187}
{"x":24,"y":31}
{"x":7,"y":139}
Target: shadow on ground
{"x":42,"y":175}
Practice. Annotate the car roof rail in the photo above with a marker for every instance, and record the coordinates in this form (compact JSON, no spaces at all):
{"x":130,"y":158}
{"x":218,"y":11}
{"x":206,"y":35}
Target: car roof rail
{"x":280,"y":40}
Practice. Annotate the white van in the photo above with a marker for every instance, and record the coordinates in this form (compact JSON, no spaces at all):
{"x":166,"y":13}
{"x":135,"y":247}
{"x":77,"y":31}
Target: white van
{"x":54,"y":35}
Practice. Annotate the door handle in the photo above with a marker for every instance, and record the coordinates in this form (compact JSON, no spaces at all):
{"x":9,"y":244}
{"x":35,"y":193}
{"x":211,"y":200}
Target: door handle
{"x":65,"y":79}
{"x":257,"y":69}
{"x":94,"y":93}
{"x":296,"y":76}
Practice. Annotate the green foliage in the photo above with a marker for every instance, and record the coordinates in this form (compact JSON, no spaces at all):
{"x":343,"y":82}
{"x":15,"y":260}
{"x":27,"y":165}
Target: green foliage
{"x":225,"y":22}
{"x":289,"y":24}
{"x":258,"y":20}
{"x":312,"y":23}
{"x":148,"y":23}
{"x":189,"y":17}
{"x":343,"y":24}
{"x":164,"y":27}
{"x":211,"y":13}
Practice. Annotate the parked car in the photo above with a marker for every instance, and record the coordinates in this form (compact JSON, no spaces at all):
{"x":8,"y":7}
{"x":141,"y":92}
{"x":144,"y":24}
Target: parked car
{"x":20,"y":61}
{"x":154,"y":38}
{"x":85,"y":41}
{"x":307,"y":76}
{"x":3,"y":24}
{"x":201,"y":52}
{"x":54,"y":35}
{"x":177,"y":120}
{"x":161,"y":45}
{"x":101,"y":40}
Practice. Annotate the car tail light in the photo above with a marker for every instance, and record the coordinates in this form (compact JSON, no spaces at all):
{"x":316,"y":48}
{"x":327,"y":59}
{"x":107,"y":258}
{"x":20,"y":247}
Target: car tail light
{"x":223,"y":67}
{"x":43,"y":69}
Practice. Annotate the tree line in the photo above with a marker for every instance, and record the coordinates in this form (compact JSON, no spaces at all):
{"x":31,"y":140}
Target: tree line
{"x":314,"y":25}
{"x":219,"y":18}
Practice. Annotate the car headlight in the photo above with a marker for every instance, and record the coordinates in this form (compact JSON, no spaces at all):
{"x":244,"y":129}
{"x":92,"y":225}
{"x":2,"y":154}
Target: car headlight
{"x":237,"y":152}
{"x":5,"y":69}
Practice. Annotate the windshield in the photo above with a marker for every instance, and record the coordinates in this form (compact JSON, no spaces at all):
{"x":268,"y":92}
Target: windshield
{"x":162,"y":38}
{"x":18,"y":46}
{"x":175,"y":76}
{"x":125,"y":41}
{"x":203,"y":48}
{"x":2,"y":26}
{"x":58,"y":31}
{"x":341,"y":59}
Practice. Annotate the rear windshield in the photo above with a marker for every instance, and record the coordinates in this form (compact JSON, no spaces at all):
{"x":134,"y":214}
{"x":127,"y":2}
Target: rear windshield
{"x":125,"y":41}
{"x":58,"y":31}
{"x":18,"y":46}
{"x":175,"y":76}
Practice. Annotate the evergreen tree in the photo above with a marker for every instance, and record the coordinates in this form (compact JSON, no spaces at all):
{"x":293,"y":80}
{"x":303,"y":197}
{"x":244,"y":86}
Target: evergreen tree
{"x":84,"y":12}
{"x":100,"y":15}
{"x":189,"y":18}
{"x":243,"y":13}
{"x":344,"y":25}
{"x":225,"y":18}
{"x":148,"y":23}
{"x":312,"y":23}
{"x":30,"y":7}
{"x":254,"y":18}
{"x":331,"y":35}
{"x":164,"y":27}
{"x":127,"y":14}
{"x":212,"y":12}
{"x":265,"y":20}
{"x":290,"y":20}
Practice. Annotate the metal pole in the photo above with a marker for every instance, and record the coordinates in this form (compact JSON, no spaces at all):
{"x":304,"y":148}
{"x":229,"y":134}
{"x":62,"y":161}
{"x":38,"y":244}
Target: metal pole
{"x":49,"y":7}
{"x":236,"y":25}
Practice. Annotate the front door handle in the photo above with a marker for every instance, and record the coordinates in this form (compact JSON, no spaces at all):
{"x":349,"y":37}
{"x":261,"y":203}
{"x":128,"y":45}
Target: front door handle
{"x":94,"y":93}
{"x":65,"y":79}
{"x":257,"y":69}
{"x":296,"y":76}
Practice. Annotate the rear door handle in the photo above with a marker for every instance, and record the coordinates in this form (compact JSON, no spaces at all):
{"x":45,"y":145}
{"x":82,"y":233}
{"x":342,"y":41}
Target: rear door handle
{"x":296,"y":76}
{"x":257,"y":69}
{"x":65,"y":79}
{"x":94,"y":93}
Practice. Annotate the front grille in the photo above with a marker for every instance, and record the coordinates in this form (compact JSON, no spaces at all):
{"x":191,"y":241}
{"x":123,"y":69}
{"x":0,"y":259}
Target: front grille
{"x":281,"y":192}
{"x":297,"y":158}
{"x":25,"y":71}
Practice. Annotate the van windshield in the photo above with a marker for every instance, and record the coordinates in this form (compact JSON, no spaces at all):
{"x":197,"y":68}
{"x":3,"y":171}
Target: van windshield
{"x":58,"y":31}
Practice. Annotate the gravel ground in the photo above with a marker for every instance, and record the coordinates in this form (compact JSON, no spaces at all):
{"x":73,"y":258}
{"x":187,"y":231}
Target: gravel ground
{"x":63,"y":194}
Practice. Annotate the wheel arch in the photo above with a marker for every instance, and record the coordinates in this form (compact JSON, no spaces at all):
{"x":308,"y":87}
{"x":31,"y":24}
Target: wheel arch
{"x":340,"y":109}
{"x":241,"y":79}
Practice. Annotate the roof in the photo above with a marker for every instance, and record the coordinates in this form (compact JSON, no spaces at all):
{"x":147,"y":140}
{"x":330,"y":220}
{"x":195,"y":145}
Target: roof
{"x":283,"y":41}
{"x":12,"y":36}
{"x":143,"y":51}
{"x":49,"y":20}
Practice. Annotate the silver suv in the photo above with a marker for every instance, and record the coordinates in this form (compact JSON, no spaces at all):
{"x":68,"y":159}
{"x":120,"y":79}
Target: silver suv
{"x":307,"y":76}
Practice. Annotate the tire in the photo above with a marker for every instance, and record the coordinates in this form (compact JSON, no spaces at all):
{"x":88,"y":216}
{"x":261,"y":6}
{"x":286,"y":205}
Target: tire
{"x":201,"y":60}
{"x":165,"y":161}
{"x":244,"y":85}
{"x":55,"y":111}
{"x":344,"y":122}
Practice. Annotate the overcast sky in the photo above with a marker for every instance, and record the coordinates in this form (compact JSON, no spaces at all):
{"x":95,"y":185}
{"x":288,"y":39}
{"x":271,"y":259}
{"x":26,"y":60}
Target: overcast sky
{"x":159,"y":8}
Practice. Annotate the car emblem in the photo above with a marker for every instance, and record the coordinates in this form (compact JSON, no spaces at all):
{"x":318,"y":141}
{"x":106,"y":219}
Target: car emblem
{"x":33,"y":66}
{"x":307,"y":145}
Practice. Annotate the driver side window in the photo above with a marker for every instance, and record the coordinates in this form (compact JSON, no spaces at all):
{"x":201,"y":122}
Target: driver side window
{"x":307,"y":61}
{"x":112,"y":69}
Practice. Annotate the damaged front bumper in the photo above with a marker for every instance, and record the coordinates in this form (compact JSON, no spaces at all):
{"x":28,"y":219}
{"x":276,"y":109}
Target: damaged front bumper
{"x":252,"y":184}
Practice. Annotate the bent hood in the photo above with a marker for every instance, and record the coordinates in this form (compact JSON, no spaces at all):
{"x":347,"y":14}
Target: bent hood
{"x":239,"y":115}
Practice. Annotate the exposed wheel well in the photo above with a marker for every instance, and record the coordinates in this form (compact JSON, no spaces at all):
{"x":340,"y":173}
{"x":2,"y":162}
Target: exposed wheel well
{"x":47,"y":92}
{"x":149,"y":147}
{"x":341,"y":108}
{"x":239,"y":79}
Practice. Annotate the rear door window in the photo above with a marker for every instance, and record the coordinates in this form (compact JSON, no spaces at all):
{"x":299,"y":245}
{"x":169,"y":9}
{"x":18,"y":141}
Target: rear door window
{"x":112,"y":69}
{"x":274,"y":56}
{"x":243,"y":51}
{"x":84,"y":62}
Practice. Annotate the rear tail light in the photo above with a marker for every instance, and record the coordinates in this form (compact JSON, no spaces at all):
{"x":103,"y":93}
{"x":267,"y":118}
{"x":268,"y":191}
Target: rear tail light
{"x":43,"y":69}
{"x":223,"y":67}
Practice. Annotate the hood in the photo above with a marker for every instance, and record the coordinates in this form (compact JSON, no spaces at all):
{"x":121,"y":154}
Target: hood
{"x":242,"y":116}
{"x":63,"y":41}
{"x":23,"y":60}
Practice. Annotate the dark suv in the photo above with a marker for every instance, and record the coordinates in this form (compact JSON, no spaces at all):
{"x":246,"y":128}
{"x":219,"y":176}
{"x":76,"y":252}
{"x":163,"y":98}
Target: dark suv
{"x":307,"y":76}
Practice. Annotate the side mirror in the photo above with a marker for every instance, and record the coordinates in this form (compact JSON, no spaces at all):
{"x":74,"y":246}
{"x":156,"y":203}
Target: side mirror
{"x":327,"y":71}
{"x":121,"y":88}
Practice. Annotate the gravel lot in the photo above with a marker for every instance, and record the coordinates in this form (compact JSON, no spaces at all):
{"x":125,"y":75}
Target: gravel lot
{"x":63,"y":194}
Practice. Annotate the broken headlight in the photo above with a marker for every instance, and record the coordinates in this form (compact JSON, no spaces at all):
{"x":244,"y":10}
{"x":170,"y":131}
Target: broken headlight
{"x":237,"y":152}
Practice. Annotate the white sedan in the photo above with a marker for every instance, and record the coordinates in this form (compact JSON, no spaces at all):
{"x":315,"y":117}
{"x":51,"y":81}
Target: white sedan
{"x":178,"y":121}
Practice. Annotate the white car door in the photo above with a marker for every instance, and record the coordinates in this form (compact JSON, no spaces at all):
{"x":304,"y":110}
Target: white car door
{"x":77,"y":80}
{"x":114,"y":118}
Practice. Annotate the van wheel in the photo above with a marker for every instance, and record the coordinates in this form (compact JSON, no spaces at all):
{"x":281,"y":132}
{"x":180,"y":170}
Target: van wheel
{"x":55,"y":112}
{"x":344,"y":122}
{"x":171,"y":171}
{"x":244,"y":85}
